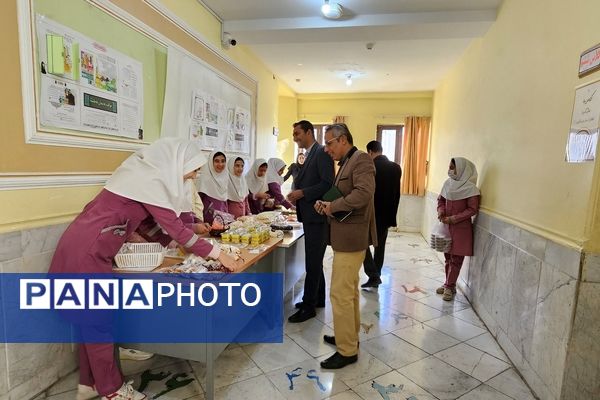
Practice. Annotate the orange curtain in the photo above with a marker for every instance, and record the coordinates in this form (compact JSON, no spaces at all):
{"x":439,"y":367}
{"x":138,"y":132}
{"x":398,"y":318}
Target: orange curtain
{"x":415,"y":142}
{"x":339,"y":119}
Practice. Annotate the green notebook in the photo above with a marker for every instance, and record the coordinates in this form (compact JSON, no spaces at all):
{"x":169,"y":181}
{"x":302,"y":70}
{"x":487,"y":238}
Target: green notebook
{"x":331,"y":195}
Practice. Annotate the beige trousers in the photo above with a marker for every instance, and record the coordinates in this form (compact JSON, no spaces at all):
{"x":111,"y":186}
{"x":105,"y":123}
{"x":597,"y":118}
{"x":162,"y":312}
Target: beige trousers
{"x":344,"y":297}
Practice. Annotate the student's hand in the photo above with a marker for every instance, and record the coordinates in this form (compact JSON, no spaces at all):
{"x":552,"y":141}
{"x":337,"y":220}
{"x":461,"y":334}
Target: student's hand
{"x":229,"y":263}
{"x":441,"y":215}
{"x":201,"y":228}
{"x":136,"y":238}
{"x":447,"y":220}
{"x":295,"y":195}
{"x":262,"y":195}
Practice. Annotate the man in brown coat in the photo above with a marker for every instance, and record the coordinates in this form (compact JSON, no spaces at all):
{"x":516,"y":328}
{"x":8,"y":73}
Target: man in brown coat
{"x":351,"y":231}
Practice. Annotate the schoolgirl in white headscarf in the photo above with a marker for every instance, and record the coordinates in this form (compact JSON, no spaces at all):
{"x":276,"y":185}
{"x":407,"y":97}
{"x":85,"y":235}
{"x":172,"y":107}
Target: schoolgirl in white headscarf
{"x":212,"y":183}
{"x":457,"y":203}
{"x":237,"y":199}
{"x":256,"y":180}
{"x":275,"y":180}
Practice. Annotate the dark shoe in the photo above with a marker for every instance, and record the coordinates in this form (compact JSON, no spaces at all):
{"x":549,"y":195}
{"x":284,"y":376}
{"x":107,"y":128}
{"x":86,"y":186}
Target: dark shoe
{"x":300,"y":304}
{"x":372,"y":282}
{"x":338,"y":361}
{"x":302,"y":315}
{"x":331,"y":340}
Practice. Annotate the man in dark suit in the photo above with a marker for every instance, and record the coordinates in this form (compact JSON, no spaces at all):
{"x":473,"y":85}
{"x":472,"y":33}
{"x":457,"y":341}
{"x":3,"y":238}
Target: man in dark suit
{"x":387,"y":198}
{"x":351,"y":231}
{"x":313,"y":181}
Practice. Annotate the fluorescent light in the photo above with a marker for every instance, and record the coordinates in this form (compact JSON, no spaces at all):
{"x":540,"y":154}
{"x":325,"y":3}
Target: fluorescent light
{"x":349,"y":80}
{"x":331,"y":10}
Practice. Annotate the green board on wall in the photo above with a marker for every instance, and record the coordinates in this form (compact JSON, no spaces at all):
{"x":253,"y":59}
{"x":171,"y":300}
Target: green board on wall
{"x":89,"y":20}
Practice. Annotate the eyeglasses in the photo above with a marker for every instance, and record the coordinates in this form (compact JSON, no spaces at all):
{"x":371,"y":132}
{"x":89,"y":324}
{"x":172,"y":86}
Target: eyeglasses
{"x":328,"y":143}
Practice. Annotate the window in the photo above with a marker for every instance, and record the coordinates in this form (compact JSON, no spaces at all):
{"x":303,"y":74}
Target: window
{"x":390,"y":137}
{"x":320,"y":133}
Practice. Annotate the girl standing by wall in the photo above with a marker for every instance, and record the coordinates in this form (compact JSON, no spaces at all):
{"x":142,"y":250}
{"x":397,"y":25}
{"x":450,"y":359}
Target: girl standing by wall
{"x":457,"y":203}
{"x":275,"y":180}
{"x":257,"y":186}
{"x":237,"y":198}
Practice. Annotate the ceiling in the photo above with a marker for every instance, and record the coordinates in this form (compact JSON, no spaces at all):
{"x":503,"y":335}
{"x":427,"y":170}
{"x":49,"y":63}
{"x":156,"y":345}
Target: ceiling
{"x":415,"y":42}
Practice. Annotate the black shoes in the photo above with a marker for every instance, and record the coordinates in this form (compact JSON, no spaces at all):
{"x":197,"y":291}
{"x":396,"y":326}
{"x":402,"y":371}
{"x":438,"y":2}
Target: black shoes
{"x":300,"y":304}
{"x":338,"y":361}
{"x":329,"y":339}
{"x":302,"y":315}
{"x":371,"y":283}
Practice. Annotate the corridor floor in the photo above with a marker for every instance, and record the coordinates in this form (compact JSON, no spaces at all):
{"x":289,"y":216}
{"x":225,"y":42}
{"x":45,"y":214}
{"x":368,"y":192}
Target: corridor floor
{"x":414,"y":346}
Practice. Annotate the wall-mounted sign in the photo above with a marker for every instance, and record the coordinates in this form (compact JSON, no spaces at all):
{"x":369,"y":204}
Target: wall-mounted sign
{"x":589,"y":61}
{"x":585,"y":122}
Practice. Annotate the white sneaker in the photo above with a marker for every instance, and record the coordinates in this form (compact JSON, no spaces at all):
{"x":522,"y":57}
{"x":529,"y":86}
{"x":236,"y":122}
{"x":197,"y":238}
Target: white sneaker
{"x":132,"y":354}
{"x":85,"y":392}
{"x":127,"y":392}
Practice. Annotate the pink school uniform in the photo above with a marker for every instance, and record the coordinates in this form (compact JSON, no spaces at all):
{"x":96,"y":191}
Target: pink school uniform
{"x":148,"y":185}
{"x":459,"y":201}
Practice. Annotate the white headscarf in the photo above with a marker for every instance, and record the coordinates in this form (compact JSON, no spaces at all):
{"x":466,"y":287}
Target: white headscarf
{"x":237,"y":189}
{"x":275,"y":164}
{"x":256,"y":184}
{"x":154,"y":174}
{"x":212,"y":183}
{"x":462,"y":185}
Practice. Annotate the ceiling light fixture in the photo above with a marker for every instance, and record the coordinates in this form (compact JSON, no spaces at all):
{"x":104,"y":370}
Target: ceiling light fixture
{"x":349,"y":80}
{"x":331,"y":10}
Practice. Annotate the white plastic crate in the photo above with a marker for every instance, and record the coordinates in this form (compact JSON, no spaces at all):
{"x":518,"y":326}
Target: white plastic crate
{"x":140,"y":256}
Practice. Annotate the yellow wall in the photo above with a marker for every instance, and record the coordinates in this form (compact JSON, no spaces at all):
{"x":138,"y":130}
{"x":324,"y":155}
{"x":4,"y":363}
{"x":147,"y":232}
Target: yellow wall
{"x":61,"y":204}
{"x":363,"y":111}
{"x":507,"y":106}
{"x":288,"y":115}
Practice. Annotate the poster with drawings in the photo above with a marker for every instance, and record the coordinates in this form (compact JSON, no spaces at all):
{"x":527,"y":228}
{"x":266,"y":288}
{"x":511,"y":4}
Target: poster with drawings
{"x":105,"y":87}
{"x":201,"y":105}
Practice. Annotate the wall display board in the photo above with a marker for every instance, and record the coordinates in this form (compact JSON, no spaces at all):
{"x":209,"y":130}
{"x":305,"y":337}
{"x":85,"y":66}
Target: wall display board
{"x":204,"y":106}
{"x":86,"y":85}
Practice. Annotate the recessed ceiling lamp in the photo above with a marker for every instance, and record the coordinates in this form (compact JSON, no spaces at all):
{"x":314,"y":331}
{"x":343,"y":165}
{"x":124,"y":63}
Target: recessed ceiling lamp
{"x":349,"y":80}
{"x":331,"y":10}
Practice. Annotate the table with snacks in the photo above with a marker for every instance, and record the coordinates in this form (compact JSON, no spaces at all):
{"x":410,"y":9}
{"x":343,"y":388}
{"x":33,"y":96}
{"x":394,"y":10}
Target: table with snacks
{"x":269,"y":242}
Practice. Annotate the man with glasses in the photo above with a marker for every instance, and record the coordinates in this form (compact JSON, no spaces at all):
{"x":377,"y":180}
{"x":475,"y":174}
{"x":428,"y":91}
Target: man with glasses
{"x":313,"y":181}
{"x":351,"y":231}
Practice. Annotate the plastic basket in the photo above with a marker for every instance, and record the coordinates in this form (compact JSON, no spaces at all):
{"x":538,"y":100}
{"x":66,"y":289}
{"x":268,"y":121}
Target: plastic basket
{"x":140,"y":256}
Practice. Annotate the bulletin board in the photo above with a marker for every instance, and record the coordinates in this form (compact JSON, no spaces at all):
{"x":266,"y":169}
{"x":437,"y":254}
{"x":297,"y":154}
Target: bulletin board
{"x":103,"y":31}
{"x":134,"y":28}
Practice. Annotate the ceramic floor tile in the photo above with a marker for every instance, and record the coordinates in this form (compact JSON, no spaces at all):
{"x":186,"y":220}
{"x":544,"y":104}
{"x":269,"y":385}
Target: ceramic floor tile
{"x":476,"y":363}
{"x":310,"y":338}
{"x":436,"y":301}
{"x":511,"y":384}
{"x":367,"y":367}
{"x":306,"y":380}
{"x":426,"y":338}
{"x":347,"y":395}
{"x":272,"y":356}
{"x":484,"y":392}
{"x":487,"y":343}
{"x":393,"y":384}
{"x":257,"y":388}
{"x":438,"y":378}
{"x":232,"y":365}
{"x":455,"y":327}
{"x":416,"y":310}
{"x":181,"y":372}
{"x":469,"y":315}
{"x":393,"y":351}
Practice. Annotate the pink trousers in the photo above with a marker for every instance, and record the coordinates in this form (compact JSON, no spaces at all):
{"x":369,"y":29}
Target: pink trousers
{"x":98,"y":367}
{"x":452,"y":267}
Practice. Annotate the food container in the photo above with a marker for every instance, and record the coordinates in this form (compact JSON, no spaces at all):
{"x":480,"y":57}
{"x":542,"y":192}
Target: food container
{"x":140,"y":256}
